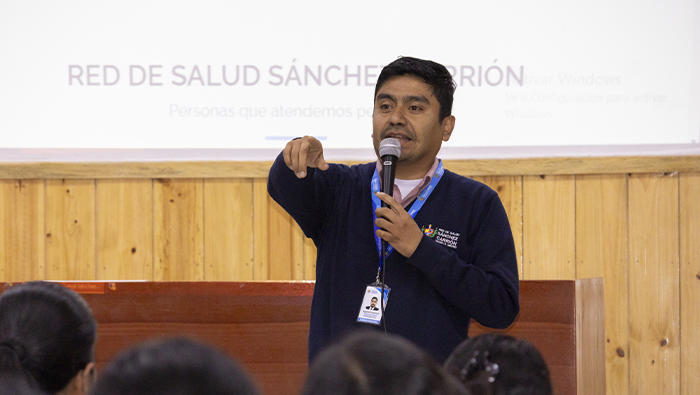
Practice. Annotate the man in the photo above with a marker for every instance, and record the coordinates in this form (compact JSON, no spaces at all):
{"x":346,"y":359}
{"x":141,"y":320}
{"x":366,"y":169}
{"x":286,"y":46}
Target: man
{"x":373,"y":304}
{"x":455,"y":260}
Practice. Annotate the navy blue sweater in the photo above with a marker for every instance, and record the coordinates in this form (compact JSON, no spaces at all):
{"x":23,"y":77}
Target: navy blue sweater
{"x":467,"y":269}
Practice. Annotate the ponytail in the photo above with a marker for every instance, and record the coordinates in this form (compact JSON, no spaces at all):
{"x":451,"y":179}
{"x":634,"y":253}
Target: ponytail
{"x":47,"y":335}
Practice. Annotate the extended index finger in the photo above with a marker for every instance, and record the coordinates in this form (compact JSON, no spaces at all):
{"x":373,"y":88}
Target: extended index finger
{"x":287,"y":154}
{"x":303,"y":157}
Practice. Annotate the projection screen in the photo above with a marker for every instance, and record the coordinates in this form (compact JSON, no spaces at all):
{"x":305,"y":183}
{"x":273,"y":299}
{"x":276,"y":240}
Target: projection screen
{"x":242,"y":78}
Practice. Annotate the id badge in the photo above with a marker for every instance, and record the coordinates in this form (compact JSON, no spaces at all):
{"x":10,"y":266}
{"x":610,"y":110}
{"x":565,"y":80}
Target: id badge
{"x":371,"y":310}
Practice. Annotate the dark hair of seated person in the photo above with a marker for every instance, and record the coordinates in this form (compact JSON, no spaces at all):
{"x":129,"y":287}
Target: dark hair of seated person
{"x":17,"y":385}
{"x":496,"y":364}
{"x":47,"y":338}
{"x":371,"y":362}
{"x":175,"y":366}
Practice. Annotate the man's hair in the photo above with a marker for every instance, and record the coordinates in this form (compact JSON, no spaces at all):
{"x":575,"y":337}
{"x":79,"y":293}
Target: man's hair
{"x":374,"y":298}
{"x":47,"y":335}
{"x":495,"y":364}
{"x":373,"y":363}
{"x":433,"y":74}
{"x":176,"y":366}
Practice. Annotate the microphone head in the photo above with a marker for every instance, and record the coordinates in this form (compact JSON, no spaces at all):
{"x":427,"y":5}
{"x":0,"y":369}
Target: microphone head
{"x":390,"y":146}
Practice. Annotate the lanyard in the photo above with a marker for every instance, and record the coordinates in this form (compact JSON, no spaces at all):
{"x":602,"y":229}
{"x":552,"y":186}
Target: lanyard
{"x":417,"y":205}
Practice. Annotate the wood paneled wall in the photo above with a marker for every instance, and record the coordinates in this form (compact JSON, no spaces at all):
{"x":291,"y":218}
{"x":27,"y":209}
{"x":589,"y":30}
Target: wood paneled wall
{"x":637,"y":224}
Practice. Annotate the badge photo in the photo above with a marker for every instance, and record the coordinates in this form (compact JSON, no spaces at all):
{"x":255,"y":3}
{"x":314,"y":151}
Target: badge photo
{"x":370,"y":309}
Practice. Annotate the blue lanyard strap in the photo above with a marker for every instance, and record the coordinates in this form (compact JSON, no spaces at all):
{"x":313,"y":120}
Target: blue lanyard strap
{"x":417,"y":205}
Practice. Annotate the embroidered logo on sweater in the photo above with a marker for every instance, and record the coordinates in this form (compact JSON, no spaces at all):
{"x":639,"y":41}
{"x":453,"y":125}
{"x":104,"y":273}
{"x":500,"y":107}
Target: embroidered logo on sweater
{"x":430,"y":232}
{"x":442,"y":236}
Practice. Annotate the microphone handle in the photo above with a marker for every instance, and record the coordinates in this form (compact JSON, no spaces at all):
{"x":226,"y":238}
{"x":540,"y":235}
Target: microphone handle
{"x":389,"y":166}
{"x":389,"y":175}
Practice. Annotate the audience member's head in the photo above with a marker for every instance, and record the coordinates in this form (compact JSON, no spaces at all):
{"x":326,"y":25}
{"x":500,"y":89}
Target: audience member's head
{"x":369,"y":363}
{"x":177,"y":366}
{"x":494,"y":364}
{"x":47,"y":338}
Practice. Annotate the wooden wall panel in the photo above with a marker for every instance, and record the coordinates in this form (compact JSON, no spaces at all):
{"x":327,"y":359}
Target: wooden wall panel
{"x":601,"y":251}
{"x":261,"y":225}
{"x":178,"y":230}
{"x":590,"y":337}
{"x":280,"y":250}
{"x":690,"y":282}
{"x":549,"y":225}
{"x":228,"y":229}
{"x":297,"y":255}
{"x":280,"y":245}
{"x":510,"y":191}
{"x":654,"y":284}
{"x":70,"y":230}
{"x":124,"y":229}
{"x":22,"y":253}
{"x":309,"y":259}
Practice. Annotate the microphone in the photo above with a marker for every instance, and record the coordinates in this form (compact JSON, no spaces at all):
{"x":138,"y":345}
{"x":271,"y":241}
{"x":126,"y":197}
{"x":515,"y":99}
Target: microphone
{"x":389,"y":152}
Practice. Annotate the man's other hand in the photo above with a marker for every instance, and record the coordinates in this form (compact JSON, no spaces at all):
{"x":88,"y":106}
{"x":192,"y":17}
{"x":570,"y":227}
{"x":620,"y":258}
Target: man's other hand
{"x":299,"y":154}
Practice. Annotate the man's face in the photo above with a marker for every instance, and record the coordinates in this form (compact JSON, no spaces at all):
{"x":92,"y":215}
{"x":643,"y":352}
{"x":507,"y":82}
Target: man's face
{"x":373,"y":302}
{"x":406,"y":109}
